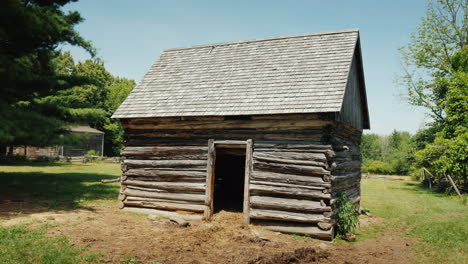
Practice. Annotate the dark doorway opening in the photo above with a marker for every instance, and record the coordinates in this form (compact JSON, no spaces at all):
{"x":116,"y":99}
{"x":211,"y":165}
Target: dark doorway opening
{"x":229,"y":179}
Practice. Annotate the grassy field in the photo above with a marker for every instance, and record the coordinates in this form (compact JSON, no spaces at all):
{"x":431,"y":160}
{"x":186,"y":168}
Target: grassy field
{"x":60,"y":185}
{"x":437,"y":223}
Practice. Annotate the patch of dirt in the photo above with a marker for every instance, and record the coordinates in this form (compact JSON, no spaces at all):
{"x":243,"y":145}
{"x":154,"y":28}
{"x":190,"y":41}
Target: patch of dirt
{"x":389,"y":247}
{"x":301,"y":255}
{"x":116,"y":236}
{"x":365,"y":221}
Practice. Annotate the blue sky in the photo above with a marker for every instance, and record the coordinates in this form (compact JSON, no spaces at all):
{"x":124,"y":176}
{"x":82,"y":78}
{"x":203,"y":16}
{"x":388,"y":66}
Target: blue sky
{"x":130,"y":35}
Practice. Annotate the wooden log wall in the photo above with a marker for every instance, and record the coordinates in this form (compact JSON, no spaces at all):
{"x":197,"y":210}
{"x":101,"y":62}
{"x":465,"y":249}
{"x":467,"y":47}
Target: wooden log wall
{"x":300,"y":163}
{"x":291,"y":189}
{"x":346,"y":171}
{"x":164,"y":177}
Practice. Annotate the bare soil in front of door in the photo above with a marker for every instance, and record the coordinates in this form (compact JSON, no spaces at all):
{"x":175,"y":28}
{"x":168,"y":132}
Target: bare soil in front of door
{"x":118,"y":237}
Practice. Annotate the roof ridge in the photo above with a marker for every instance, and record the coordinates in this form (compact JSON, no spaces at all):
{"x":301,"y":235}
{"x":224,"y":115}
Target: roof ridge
{"x":263,"y":39}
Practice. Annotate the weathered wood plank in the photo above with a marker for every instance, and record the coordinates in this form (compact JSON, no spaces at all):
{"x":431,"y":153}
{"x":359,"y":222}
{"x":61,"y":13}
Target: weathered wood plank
{"x":168,"y":214}
{"x":296,"y":169}
{"x":313,"y":180}
{"x":290,"y":228}
{"x":288,"y":204}
{"x":210,"y":177}
{"x":284,"y":147}
{"x":189,"y":186}
{"x":166,"y":206}
{"x":166,"y":179}
{"x":289,"y":191}
{"x":165,"y":195}
{"x":301,"y":156}
{"x":277,"y":160}
{"x":348,"y":165}
{"x":290,"y":124}
{"x":153,"y":151}
{"x":248,"y":171}
{"x":288,"y":185}
{"x":287,"y":216}
{"x":144,"y":172}
{"x":134,"y":198}
{"x":165,"y":163}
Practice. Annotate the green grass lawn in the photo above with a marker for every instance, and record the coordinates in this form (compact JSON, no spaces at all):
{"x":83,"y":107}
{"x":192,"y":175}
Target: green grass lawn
{"x":437,"y":222}
{"x":60,"y":185}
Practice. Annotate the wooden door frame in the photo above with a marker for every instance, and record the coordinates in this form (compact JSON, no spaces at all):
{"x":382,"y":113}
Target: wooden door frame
{"x":210,"y":177}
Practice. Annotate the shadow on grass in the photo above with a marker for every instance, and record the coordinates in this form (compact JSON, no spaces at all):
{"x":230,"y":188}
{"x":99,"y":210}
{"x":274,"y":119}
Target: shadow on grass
{"x":39,"y":191}
{"x":419,"y":188}
{"x":36,"y":164}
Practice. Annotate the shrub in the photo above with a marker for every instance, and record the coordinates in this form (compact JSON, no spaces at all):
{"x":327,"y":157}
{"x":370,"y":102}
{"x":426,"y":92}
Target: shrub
{"x":46,"y":159}
{"x":347,"y":215}
{"x":91,"y":153}
{"x":377,"y":166}
{"x":13,"y":159}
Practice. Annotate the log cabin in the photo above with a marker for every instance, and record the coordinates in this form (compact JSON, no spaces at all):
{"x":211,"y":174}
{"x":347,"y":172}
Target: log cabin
{"x":268,"y":127}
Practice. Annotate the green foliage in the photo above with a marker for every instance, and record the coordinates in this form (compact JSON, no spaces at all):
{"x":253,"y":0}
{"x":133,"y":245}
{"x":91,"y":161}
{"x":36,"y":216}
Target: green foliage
{"x":45,"y":91}
{"x":30,"y":32}
{"x":46,"y":159}
{"x":13,"y":159}
{"x":377,"y":166}
{"x":429,"y":57}
{"x":438,"y":81}
{"x":21,"y":245}
{"x":91,"y":153}
{"x":95,"y":102}
{"x":390,"y":154}
{"x":347,"y":215}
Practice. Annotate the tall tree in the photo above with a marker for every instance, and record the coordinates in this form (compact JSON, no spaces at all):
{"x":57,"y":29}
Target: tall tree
{"x":30,"y":32}
{"x":428,"y":58}
{"x":96,"y":100}
{"x":436,"y":61}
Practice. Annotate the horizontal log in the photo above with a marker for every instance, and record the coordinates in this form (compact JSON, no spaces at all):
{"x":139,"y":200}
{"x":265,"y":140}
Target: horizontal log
{"x":301,"y":156}
{"x":257,"y":188}
{"x":351,"y":192}
{"x":230,"y":142}
{"x":152,"y":142}
{"x":348,"y":165}
{"x":289,"y":185}
{"x":166,"y":163}
{"x":296,"y":169}
{"x":226,"y":133}
{"x":301,"y":229}
{"x":277,"y":160}
{"x":293,"y":146}
{"x":166,"y":206}
{"x":346,"y":176}
{"x":288,"y":204}
{"x":226,"y":124}
{"x":286,"y":117}
{"x":189,"y":186}
{"x":165,"y":195}
{"x":199,"y":156}
{"x":269,"y":214}
{"x":134,"y":198}
{"x":153,"y":151}
{"x":165,"y":173}
{"x":166,"y":179}
{"x":324,"y":226}
{"x":312,"y":180}
{"x":162,"y":213}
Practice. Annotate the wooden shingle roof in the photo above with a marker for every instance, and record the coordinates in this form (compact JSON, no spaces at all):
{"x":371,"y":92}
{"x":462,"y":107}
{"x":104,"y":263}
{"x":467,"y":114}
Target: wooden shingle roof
{"x":284,"y":75}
